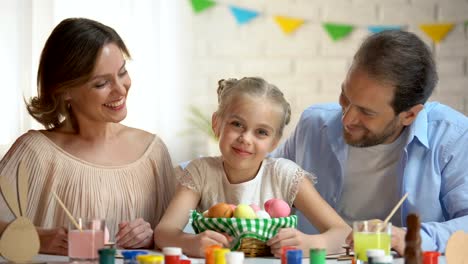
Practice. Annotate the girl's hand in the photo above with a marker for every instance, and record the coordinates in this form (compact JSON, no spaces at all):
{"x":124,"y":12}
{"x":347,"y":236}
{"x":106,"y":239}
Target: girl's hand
{"x":205,"y":239}
{"x":295,"y":238}
{"x":135,"y":234}
{"x":53,"y":241}
{"x":350,"y":240}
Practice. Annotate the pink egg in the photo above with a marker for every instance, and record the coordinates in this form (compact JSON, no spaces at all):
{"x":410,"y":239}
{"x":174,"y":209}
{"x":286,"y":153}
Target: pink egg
{"x":233,"y":207}
{"x":278,"y":208}
{"x":255,"y":207}
{"x":267,"y":204}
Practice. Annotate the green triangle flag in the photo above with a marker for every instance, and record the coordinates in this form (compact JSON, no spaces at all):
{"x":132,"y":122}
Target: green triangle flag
{"x":338,"y":31}
{"x":200,"y":5}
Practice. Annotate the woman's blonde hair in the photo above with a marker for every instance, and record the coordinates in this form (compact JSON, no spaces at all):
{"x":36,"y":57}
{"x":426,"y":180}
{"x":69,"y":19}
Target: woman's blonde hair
{"x":252,"y":86}
{"x":67,"y":61}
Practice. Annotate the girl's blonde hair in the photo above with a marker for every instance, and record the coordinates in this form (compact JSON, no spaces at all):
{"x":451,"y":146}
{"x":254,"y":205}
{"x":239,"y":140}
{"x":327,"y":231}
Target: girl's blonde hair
{"x":252,"y":86}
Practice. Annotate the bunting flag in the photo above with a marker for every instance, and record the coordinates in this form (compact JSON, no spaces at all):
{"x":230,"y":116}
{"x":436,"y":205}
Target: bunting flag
{"x":200,"y":5}
{"x":436,"y":32}
{"x":338,"y":31}
{"x":288,"y":24}
{"x":243,"y":15}
{"x":377,"y":29}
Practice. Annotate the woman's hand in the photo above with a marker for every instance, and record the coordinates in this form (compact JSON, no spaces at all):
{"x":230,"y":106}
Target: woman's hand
{"x":135,"y":234}
{"x":53,"y":241}
{"x":295,"y":238}
{"x":199,"y":242}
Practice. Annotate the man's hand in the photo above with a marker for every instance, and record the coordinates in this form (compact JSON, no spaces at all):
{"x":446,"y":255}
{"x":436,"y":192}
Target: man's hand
{"x":398,"y":240}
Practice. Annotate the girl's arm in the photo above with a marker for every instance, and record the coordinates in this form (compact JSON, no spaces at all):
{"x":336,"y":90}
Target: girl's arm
{"x":332,"y":227}
{"x":169,"y":231}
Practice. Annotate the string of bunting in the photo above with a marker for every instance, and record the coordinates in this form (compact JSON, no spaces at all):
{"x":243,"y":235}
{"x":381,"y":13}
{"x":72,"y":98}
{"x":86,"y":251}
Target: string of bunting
{"x":337,"y":31}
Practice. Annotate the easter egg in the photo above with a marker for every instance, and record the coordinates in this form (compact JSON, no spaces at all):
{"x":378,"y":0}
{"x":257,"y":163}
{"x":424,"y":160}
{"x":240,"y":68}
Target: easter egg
{"x":244,"y":211}
{"x":266,"y":205}
{"x":261,"y":214}
{"x":278,"y":208}
{"x":255,"y":207}
{"x":220,"y":210}
{"x":233,"y":207}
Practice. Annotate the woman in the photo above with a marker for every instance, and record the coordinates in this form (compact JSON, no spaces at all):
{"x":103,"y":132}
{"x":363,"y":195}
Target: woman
{"x":97,"y":166}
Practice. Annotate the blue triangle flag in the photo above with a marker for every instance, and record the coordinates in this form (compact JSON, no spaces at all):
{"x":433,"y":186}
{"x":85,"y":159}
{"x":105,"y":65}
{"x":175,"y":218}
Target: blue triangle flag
{"x":377,"y":29}
{"x":243,"y":15}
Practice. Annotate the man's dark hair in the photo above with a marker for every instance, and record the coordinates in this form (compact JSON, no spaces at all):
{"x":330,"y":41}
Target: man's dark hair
{"x":402,"y":60}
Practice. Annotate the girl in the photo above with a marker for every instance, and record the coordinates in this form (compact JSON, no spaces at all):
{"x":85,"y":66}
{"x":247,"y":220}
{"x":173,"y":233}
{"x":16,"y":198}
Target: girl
{"x":249,"y":123}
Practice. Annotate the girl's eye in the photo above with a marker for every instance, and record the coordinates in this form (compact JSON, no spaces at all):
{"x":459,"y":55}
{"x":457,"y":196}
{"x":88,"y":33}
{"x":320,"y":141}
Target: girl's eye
{"x":263,"y":132}
{"x":236,"y":124}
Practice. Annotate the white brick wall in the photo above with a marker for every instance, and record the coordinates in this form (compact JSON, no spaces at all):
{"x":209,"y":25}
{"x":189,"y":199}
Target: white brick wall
{"x":307,"y":65}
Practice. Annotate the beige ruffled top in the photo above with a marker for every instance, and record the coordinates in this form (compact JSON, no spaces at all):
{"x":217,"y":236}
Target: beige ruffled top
{"x":141,"y":189}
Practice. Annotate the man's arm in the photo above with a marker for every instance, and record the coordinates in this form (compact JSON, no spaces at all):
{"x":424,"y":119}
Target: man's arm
{"x":453,"y":196}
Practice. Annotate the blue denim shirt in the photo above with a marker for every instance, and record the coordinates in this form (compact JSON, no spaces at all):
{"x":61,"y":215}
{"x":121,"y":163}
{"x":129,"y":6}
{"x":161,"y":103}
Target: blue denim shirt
{"x":431,"y":170}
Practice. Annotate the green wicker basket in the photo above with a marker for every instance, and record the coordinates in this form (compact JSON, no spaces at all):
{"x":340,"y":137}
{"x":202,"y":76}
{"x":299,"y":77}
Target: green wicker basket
{"x":249,"y":235}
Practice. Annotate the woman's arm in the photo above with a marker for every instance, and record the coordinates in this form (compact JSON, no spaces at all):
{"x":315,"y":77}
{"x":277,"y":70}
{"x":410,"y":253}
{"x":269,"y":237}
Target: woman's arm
{"x":169,"y":231}
{"x":52,"y":241}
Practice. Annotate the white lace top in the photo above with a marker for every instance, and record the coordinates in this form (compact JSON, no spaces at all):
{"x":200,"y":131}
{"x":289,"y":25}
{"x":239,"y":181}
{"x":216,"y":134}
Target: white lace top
{"x":277,"y":178}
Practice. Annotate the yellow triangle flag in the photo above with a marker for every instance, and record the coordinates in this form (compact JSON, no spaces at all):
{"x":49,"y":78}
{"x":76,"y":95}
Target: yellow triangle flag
{"x":436,"y":32}
{"x":289,"y":24}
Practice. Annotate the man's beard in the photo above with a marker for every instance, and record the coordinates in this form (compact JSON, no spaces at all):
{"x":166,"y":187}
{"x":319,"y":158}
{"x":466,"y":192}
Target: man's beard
{"x":369,"y":139}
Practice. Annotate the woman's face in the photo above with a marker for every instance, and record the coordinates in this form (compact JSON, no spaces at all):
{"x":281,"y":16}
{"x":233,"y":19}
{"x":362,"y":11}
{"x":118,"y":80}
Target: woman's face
{"x":103,"y":98}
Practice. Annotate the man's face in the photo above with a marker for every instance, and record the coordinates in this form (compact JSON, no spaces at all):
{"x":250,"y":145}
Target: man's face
{"x":368,"y":117}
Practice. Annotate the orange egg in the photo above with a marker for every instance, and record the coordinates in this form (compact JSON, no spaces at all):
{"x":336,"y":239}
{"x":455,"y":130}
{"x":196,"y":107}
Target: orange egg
{"x":220,"y":210}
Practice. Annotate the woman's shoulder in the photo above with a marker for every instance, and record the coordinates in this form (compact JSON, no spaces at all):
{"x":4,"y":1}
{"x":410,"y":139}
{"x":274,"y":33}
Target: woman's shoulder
{"x":140,"y":138}
{"x":31,"y":145}
{"x":137,"y":134}
{"x":33,"y":139}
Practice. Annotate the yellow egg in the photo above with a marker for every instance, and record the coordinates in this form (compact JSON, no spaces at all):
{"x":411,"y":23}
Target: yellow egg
{"x":244,"y":211}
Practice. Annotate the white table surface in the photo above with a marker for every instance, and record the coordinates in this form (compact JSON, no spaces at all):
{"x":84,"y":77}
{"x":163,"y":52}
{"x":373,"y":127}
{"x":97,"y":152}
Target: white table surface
{"x":63,"y":259}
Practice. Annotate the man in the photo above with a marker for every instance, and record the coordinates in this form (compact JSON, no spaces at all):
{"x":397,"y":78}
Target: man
{"x":383,"y":140}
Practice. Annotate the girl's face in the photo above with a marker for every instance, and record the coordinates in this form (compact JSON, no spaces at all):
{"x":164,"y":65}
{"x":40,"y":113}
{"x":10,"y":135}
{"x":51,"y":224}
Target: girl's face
{"x":103,"y":97}
{"x":247,"y":132}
